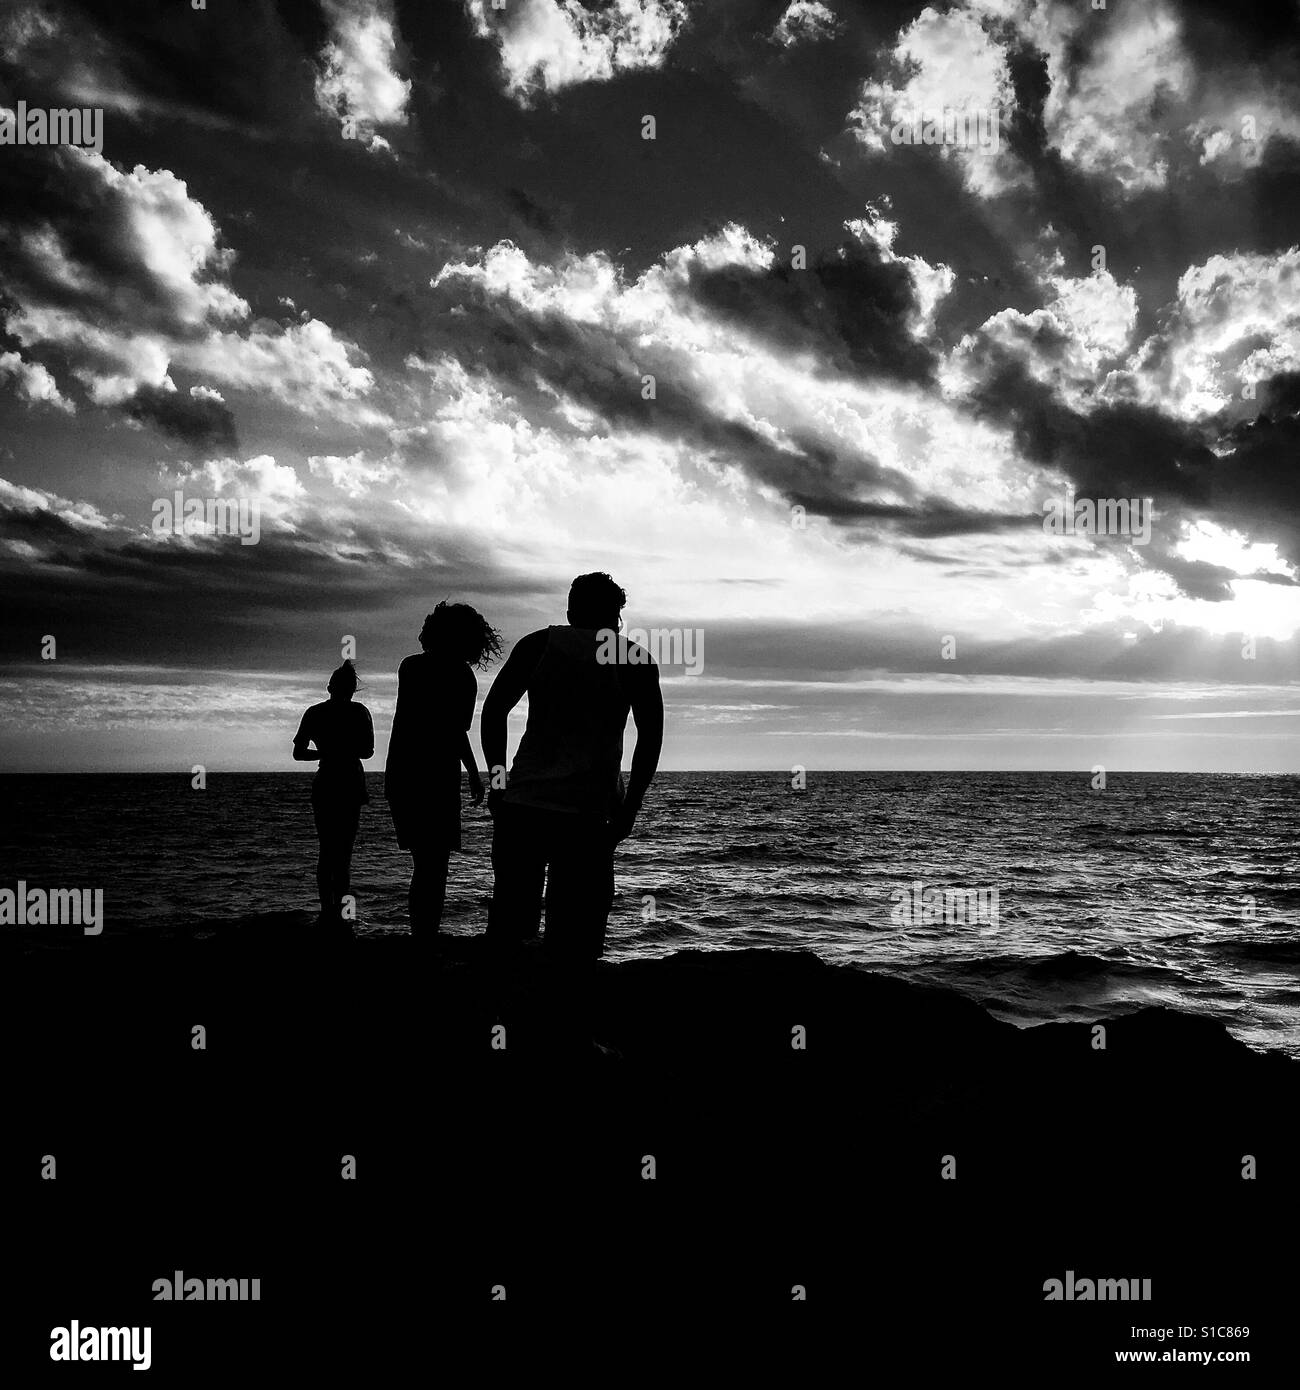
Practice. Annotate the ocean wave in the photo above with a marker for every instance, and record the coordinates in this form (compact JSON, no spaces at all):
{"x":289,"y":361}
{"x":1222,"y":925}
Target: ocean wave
{"x":1285,"y":951}
{"x":1064,"y":965}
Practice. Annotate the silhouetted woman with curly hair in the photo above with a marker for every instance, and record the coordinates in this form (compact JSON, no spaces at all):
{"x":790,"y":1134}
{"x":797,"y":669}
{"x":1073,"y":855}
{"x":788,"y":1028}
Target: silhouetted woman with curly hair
{"x":436,"y":693}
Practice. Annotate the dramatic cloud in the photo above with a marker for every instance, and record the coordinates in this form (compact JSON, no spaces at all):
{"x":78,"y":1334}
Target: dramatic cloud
{"x":121,"y":277}
{"x":794,"y":383}
{"x":942,"y":65}
{"x":33,"y":502}
{"x":354,"y":476}
{"x":357,"y":83}
{"x":1235,"y":324}
{"x":548,"y":45}
{"x":1121,"y":99}
{"x":198,"y":418}
{"x":1072,"y":344}
{"x":33,"y":383}
{"x":806,"y":21}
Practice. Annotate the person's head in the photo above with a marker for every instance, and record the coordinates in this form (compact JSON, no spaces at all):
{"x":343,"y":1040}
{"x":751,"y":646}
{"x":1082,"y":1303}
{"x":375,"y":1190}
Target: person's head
{"x":595,"y":601}
{"x":457,"y":630}
{"x":343,"y":682}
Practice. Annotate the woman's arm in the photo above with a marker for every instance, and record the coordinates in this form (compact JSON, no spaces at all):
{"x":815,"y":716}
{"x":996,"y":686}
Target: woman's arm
{"x":466,"y":749}
{"x":396,"y":738}
{"x":467,"y":757}
{"x":367,"y":749}
{"x":301,"y":752}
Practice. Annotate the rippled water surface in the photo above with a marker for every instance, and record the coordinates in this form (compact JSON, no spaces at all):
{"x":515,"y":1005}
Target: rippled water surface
{"x":1174,"y":889}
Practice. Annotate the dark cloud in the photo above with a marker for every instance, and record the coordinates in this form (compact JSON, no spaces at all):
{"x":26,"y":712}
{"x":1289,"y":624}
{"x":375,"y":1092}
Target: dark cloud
{"x":110,"y":597}
{"x":930,"y":519}
{"x":532,"y":212}
{"x":600,"y":371}
{"x":1247,"y":482}
{"x":1257,"y":488}
{"x":882,"y":643}
{"x":255,"y":74}
{"x":1247,"y":31}
{"x":851,"y":305}
{"x":200,"y":422}
{"x":1198,"y":578}
{"x":1116,"y":450}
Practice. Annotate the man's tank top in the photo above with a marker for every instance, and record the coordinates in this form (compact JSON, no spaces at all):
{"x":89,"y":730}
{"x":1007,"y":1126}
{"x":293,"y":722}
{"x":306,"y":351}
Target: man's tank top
{"x":570,"y":755}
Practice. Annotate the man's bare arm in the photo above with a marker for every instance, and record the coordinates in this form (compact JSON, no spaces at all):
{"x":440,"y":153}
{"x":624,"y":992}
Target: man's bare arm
{"x":647,"y":703}
{"x":648,"y":716}
{"x":509,"y":687}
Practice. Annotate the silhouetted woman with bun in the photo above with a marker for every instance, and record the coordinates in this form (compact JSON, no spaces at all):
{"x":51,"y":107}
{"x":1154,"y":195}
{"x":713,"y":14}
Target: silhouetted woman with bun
{"x":343,"y":735}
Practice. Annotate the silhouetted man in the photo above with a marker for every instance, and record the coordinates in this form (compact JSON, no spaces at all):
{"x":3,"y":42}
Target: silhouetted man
{"x":564,"y":806}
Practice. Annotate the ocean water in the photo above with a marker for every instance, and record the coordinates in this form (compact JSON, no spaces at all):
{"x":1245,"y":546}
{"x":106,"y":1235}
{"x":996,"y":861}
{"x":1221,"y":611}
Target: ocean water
{"x":1173,"y":889}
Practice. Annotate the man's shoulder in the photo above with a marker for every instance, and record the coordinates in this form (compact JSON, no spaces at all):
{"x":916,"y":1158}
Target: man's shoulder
{"x":614,"y":648}
{"x":633,"y":657}
{"x":531,"y":644}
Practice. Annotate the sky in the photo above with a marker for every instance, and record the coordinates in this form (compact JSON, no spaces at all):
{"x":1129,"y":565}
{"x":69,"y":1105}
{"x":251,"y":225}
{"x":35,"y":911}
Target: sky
{"x":413,"y":283}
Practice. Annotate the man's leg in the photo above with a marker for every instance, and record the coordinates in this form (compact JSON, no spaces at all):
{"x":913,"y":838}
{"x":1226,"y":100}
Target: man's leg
{"x":579,"y":887}
{"x":428,"y":889}
{"x":519,"y":871}
{"x":579,"y":895}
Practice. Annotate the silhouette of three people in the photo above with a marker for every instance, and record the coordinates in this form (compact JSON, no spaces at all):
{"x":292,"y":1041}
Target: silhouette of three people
{"x":558,"y":813}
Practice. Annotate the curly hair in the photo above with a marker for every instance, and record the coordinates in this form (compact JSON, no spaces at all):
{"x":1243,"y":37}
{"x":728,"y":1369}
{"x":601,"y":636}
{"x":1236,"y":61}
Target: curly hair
{"x":462,"y":631}
{"x":595,"y":600}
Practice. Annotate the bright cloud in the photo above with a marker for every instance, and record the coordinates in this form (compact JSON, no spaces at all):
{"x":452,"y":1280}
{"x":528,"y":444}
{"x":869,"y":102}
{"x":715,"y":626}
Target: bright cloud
{"x":941,"y":63}
{"x":144,"y":288}
{"x":1235,"y":322}
{"x":806,"y":21}
{"x":547,"y":45}
{"x":357,"y":83}
{"x":33,"y":383}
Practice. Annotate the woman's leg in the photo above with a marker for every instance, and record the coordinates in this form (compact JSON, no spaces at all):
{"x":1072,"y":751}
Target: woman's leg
{"x":348,"y":825}
{"x":325,"y":878}
{"x":338,"y":833}
{"x":428,"y":889}
{"x":324,"y":858}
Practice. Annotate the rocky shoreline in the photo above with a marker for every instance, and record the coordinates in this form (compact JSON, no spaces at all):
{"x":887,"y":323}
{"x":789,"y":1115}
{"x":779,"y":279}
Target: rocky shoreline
{"x":753,"y":1122}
